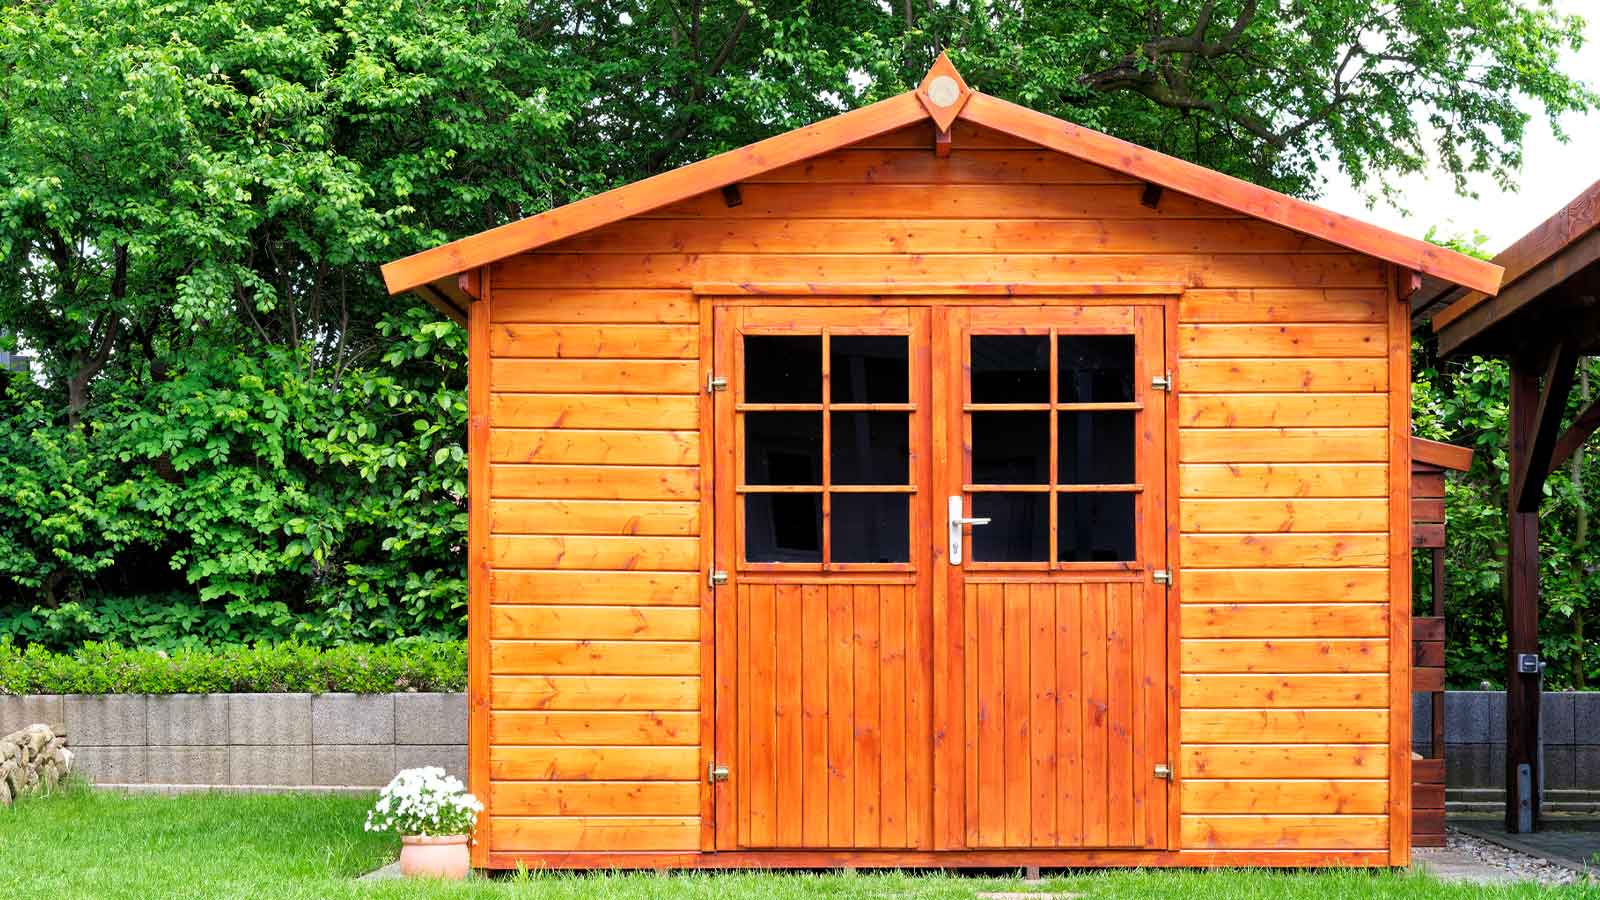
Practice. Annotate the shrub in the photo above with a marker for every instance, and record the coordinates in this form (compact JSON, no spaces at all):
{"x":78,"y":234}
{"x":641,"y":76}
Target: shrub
{"x":96,"y":668}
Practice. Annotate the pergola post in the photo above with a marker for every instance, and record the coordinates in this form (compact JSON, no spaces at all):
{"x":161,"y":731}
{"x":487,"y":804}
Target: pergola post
{"x":1522,"y":610}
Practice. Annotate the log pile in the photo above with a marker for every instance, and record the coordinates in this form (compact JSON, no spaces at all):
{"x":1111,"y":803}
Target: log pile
{"x":31,"y":759}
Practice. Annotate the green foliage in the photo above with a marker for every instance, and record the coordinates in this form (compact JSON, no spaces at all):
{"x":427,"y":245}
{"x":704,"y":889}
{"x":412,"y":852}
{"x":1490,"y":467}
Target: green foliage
{"x":96,"y":668}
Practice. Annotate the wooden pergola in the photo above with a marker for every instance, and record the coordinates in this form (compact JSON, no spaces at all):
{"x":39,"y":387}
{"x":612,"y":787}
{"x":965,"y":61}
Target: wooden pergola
{"x":1545,"y":318}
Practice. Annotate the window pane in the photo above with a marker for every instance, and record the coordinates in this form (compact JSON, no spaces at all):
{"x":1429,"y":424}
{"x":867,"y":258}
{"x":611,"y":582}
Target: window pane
{"x":871,"y":448}
{"x":783,"y":448}
{"x":1097,"y":448}
{"x":1010,"y":368}
{"x":1011,"y":448}
{"x":1095,"y":528}
{"x":871,"y":528}
{"x":1018,"y":531}
{"x":783,"y":528}
{"x":783,"y":368}
{"x":1096,"y":368}
{"x":871,"y":368}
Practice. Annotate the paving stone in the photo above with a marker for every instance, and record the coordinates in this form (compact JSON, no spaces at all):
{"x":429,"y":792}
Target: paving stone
{"x":270,"y":766}
{"x":110,"y":765}
{"x":433,"y":719}
{"x":187,"y":765}
{"x":352,"y":719}
{"x":1556,"y":724}
{"x":17,"y":713}
{"x":1466,"y":717}
{"x":353,"y":765}
{"x":189,"y":720}
{"x":109,"y":720}
{"x":269,"y":720}
{"x":450,"y":757}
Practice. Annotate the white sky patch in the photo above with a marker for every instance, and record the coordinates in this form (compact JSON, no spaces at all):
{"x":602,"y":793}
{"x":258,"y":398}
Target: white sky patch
{"x":1553,"y":172}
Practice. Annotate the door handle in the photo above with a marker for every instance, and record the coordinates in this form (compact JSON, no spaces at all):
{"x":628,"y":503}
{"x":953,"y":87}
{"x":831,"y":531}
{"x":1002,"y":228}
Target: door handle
{"x":957,"y":520}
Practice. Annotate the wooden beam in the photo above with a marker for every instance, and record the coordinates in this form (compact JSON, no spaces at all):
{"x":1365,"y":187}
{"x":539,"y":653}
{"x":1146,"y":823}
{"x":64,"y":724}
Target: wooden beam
{"x":1528,"y":472}
{"x":1460,"y":325}
{"x":1407,"y":283}
{"x":453,"y":309}
{"x":941,"y":142}
{"x":1438,"y":453}
{"x":1582,"y":426}
{"x":1522,"y":607}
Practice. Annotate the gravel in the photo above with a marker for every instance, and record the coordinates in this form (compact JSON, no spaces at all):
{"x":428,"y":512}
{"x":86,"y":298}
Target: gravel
{"x":1497,"y":863}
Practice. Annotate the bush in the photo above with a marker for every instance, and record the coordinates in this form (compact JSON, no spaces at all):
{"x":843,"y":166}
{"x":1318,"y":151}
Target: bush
{"x":95,"y":668}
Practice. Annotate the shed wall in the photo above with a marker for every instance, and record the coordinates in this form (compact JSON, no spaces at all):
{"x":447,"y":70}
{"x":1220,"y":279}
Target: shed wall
{"x":596,"y":673}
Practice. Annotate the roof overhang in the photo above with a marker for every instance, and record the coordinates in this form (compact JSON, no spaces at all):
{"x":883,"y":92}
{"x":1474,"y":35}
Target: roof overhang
{"x":943,"y":97}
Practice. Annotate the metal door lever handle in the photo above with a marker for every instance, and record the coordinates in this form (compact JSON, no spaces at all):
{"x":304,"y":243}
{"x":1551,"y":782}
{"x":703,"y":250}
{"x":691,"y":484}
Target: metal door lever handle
{"x":983,"y":520}
{"x":957,"y":520}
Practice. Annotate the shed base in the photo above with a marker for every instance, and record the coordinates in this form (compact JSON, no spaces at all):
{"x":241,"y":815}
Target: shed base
{"x":943,"y":859}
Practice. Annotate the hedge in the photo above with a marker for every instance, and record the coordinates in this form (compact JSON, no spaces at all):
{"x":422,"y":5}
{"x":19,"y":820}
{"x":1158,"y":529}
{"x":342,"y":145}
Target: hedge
{"x":96,"y":668}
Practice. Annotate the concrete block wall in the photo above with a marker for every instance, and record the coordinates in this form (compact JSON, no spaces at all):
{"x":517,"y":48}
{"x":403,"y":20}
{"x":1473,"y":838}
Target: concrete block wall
{"x":261,"y":741}
{"x":1475,"y":758}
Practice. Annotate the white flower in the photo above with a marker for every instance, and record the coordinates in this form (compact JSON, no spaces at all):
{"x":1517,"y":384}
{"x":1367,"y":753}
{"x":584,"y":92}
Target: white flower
{"x":424,"y":801}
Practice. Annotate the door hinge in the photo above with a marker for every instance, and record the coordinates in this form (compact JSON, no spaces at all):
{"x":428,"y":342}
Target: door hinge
{"x":1161,"y":576}
{"x":1162,"y":382}
{"x":716,"y":383}
{"x":1164,"y":771}
{"x":717,"y":577}
{"x":716,"y":773}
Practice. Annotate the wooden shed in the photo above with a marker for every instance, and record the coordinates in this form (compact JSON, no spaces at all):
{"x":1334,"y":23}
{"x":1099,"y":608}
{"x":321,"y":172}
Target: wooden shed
{"x":940,"y":484}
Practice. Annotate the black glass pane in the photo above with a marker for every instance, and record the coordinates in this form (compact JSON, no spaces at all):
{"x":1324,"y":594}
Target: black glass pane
{"x":1010,"y":368}
{"x":783,"y":368}
{"x":1018,"y":530}
{"x":1011,"y":448}
{"x":871,"y":448}
{"x":1095,"y":368}
{"x":783,"y":448}
{"x":1095,"y":528}
{"x":869,"y":369}
{"x":871,"y":528}
{"x":783,"y":528}
{"x":1096,"y":448}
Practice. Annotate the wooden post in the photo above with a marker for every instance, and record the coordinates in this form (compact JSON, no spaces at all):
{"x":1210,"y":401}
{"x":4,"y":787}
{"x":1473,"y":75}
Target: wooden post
{"x":1436,"y":745}
{"x":1522,"y":608}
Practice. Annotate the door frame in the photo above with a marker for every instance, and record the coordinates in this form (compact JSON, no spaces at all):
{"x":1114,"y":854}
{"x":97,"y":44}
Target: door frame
{"x":718,"y":631}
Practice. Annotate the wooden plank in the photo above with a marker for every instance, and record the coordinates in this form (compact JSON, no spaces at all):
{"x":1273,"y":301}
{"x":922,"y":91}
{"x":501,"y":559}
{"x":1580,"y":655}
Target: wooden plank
{"x":1282,"y":340}
{"x":571,"y":551}
{"x":1283,"y":445}
{"x":787,"y":752}
{"x":596,"y":833}
{"x":865,"y":653}
{"x":1326,"y":797}
{"x":595,"y":623}
{"x":1069,"y":704}
{"x":1251,"y":480}
{"x":604,"y":447}
{"x":990,"y":765}
{"x":1284,"y":550}
{"x":1285,"y":620}
{"x":1284,"y":515}
{"x":1400,"y":575}
{"x":582,"y":341}
{"x":596,"y":376}
{"x":1343,"y":690}
{"x":858,"y":165}
{"x":594,"y":482}
{"x":1293,"y":305}
{"x":1284,"y":761}
{"x":594,"y":798}
{"x":815,"y":775}
{"x":1323,"y":410}
{"x":1097,"y":735}
{"x":1042,"y":729}
{"x":1312,"y":376}
{"x":841,"y":716}
{"x":594,"y":728}
{"x":1285,"y":655}
{"x":592,"y":692}
{"x":1016,"y":795}
{"x":595,"y":657}
{"x":1286,"y":832}
{"x":1285,"y":585}
{"x":1427,"y":535}
{"x":1285,"y":726}
{"x":894,"y":715}
{"x":950,"y":201}
{"x":596,"y":588}
{"x":1426,"y":679}
{"x":1120,"y":777}
{"x":759,"y":667}
{"x":633,"y":411}
{"x":579,"y":306}
{"x":478,"y":571}
{"x":602,"y":517}
{"x":1427,"y":484}
{"x":1427,"y":628}
{"x":1427,"y":510}
{"x":579,"y":763}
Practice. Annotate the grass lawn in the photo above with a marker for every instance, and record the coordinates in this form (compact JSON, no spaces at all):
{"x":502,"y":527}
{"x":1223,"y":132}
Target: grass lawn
{"x":91,"y":844}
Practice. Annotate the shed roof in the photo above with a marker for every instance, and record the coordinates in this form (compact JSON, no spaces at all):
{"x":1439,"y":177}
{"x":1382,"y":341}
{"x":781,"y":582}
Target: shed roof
{"x":432,"y":272}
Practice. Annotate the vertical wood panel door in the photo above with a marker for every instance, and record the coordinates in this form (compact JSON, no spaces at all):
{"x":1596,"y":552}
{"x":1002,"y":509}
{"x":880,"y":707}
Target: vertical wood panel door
{"x":822,"y":527}
{"x":1055,"y":480}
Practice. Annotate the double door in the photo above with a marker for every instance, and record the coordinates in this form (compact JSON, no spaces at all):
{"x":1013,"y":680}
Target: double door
{"x":941,"y":527}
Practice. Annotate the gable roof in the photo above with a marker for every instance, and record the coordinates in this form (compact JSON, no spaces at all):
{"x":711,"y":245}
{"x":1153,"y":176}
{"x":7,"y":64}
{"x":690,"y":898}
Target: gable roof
{"x":943,"y":97}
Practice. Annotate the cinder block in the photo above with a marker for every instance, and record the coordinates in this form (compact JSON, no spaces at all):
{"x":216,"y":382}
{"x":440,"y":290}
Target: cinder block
{"x":1466,"y":765}
{"x":1586,"y":767}
{"x":1586,"y":717}
{"x":188,"y":720}
{"x":1466,"y":717}
{"x":352,"y":765}
{"x":17,"y":713}
{"x":352,"y":719}
{"x":187,"y":765}
{"x":1497,"y":765}
{"x":1560,"y":766}
{"x":285,"y":766}
{"x":110,"y":765}
{"x":430,"y":719}
{"x":1497,"y":716}
{"x":1421,"y":718}
{"x":450,"y":757}
{"x":269,"y":720}
{"x":106,"y":720}
{"x":1556,"y":724}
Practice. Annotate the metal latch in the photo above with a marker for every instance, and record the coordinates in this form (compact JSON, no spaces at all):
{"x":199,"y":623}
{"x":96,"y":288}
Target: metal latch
{"x":716,"y":773}
{"x":1528,"y":664}
{"x":1162,"y":382}
{"x":717,"y":577}
{"x":1163,"y":771}
{"x":715,"y":383}
{"x":1161,"y":576}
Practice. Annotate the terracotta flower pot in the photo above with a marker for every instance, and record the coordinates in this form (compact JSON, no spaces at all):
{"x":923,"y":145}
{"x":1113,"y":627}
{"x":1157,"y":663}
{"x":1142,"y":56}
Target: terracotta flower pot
{"x":435,"y":856}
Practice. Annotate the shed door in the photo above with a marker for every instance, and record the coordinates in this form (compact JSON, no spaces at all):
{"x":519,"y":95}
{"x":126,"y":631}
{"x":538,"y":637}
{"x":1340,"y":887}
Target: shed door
{"x":1062,"y":462}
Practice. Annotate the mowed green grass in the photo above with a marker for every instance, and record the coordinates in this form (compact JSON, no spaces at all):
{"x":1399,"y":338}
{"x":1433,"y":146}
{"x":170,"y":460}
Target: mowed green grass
{"x":90,"y":844}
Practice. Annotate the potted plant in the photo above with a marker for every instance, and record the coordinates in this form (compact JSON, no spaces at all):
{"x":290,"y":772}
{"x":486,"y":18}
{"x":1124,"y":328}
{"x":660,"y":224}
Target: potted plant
{"x":434,"y":816}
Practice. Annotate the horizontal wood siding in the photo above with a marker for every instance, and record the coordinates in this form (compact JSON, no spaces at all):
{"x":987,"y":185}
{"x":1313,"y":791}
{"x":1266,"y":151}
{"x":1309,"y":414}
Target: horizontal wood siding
{"x":594,"y":546}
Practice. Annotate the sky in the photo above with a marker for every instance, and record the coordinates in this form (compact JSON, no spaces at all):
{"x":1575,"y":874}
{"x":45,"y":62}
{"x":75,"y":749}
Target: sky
{"x":1553,"y":173}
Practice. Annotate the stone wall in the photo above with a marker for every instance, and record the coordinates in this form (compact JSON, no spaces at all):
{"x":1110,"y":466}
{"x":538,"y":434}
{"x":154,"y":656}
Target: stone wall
{"x":1475,"y":756}
{"x":31,"y":758}
{"x":250,"y":741}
